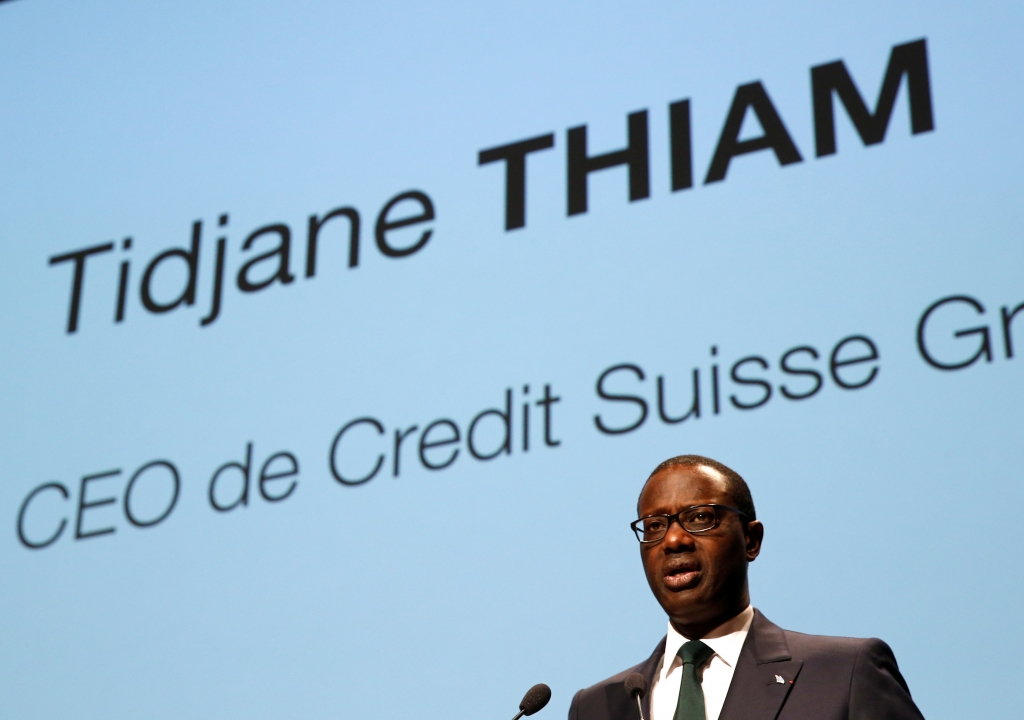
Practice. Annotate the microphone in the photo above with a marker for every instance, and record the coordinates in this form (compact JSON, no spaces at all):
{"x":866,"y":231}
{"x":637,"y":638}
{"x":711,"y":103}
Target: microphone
{"x":636,"y":685}
{"x":534,"y":699}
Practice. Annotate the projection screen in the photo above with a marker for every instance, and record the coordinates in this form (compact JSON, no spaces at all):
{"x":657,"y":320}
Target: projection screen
{"x":338,"y":340}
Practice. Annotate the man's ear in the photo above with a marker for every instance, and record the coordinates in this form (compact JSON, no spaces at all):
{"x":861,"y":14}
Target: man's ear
{"x":754,"y":535}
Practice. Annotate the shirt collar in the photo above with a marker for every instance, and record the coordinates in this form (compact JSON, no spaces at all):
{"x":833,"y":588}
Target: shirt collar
{"x":726,"y":640}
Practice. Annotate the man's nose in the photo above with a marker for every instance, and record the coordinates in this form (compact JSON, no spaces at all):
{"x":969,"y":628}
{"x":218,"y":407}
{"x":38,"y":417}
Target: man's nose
{"x":677,"y":539}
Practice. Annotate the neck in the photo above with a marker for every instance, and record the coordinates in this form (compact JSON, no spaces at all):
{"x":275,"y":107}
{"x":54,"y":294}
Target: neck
{"x":696,"y":629}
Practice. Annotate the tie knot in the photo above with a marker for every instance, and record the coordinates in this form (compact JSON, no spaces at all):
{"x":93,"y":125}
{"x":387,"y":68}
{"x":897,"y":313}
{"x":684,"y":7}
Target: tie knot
{"x":695,"y":653}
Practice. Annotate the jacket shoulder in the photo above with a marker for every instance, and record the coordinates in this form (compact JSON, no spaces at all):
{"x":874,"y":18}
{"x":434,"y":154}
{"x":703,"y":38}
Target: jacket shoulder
{"x":769,"y":642}
{"x":607,"y":699}
{"x":830,"y":655}
{"x":826,"y":645}
{"x":838,"y":677}
{"x":836,"y":649}
{"x":614,"y":681}
{"x":860,"y":673}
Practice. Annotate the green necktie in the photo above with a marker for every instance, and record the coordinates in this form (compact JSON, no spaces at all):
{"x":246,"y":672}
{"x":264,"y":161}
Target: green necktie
{"x":691,"y":697}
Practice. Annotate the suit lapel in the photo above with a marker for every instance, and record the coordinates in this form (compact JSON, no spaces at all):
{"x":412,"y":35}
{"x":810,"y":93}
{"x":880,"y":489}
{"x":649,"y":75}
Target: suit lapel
{"x":765,"y":673}
{"x":648,"y":669}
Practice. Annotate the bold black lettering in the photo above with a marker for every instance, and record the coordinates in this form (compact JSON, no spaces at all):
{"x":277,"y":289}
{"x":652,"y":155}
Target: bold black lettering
{"x":734,"y":374}
{"x":984,"y":348}
{"x":84,"y":505}
{"x":315,"y":224}
{"x":332,"y":458}
{"x":400,"y":435}
{"x":546,"y":402}
{"x":694,"y":410}
{"x":506,"y":419}
{"x":604,"y":395}
{"x":634,"y":156}
{"x":786,"y":368}
{"x":681,"y":144}
{"x":514,"y":155}
{"x":24,"y":507}
{"x":243,"y":496}
{"x":384,"y":224}
{"x":835,"y":363}
{"x":78,"y":279}
{"x":191,"y":258}
{"x":266,"y":477}
{"x":1007,"y":335}
{"x":775,"y":137}
{"x":282,"y":252}
{"x":427,"y":444}
{"x":910,"y":59}
{"x":131,"y":485}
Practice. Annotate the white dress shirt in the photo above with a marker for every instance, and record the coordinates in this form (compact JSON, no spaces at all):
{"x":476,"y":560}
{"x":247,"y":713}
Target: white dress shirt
{"x":727,"y":641}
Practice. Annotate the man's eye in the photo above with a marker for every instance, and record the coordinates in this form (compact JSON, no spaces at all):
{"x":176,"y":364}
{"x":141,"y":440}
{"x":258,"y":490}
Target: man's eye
{"x":701,"y":519}
{"x":654,"y":525}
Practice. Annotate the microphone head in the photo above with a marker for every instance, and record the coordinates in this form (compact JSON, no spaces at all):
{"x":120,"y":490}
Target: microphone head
{"x":636,"y":684}
{"x":535,"y":698}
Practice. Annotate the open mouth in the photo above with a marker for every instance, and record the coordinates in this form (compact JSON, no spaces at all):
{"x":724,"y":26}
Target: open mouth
{"x":679,"y":576}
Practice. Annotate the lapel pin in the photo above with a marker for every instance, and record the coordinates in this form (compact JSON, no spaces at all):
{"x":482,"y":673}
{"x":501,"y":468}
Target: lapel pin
{"x":778,"y":679}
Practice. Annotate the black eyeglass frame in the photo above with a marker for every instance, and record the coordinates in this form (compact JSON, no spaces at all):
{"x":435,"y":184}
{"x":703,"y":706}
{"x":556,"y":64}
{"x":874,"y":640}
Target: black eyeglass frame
{"x":677,"y":517}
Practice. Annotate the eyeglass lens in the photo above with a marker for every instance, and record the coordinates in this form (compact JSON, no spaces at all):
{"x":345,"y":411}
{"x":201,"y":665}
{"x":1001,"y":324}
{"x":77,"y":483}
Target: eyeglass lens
{"x":698,"y":519}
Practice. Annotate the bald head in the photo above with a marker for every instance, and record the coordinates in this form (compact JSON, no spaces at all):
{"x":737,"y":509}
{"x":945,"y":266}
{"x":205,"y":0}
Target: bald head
{"x":736,"y":486}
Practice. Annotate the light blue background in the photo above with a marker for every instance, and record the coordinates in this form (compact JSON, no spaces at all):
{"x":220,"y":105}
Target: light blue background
{"x":890,"y":511}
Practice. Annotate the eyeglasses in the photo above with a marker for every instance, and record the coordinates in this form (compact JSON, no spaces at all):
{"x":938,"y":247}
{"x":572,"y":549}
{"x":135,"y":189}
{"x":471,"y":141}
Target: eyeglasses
{"x":695,"y":519}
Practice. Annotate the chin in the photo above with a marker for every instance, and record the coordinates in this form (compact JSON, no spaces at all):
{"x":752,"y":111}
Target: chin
{"x":683,"y":605}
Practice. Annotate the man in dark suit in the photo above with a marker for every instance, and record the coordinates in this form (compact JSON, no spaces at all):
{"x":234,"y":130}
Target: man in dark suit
{"x":721,"y":659}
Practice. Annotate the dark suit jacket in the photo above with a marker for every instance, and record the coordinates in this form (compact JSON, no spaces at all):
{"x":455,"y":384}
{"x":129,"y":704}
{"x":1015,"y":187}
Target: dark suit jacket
{"x":824,"y":678}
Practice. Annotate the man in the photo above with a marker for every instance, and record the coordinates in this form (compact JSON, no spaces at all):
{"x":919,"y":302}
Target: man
{"x":722,"y":659}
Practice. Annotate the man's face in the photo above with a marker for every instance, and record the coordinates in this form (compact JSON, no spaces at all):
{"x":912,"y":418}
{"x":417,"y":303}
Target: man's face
{"x":699,"y":579}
